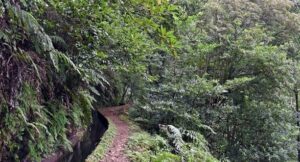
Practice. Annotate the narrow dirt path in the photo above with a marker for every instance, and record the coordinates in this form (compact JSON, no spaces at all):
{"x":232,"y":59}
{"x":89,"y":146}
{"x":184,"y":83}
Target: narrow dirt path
{"x":116,"y":151}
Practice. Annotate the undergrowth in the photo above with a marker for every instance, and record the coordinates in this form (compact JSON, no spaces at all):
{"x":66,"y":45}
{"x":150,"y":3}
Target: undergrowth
{"x":143,"y":146}
{"x":40,"y":129}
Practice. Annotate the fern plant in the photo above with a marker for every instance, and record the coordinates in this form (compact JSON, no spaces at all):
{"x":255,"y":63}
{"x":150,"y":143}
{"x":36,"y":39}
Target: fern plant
{"x":42,"y":42}
{"x":174,"y":135}
{"x":189,"y":144}
{"x":61,"y":62}
{"x":36,"y":120}
{"x":84,"y":100}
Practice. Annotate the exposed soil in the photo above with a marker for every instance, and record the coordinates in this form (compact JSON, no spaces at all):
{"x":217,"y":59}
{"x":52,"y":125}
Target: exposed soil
{"x":116,"y":151}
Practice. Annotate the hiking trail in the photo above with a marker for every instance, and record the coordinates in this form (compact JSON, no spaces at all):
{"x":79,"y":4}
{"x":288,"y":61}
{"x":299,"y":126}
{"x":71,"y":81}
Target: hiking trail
{"x":116,"y":153}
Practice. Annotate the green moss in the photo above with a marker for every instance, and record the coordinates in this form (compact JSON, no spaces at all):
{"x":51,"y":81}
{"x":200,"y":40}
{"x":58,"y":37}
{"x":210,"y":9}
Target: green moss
{"x":104,"y":144}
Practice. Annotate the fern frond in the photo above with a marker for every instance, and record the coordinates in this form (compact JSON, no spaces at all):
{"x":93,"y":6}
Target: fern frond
{"x":94,"y":90}
{"x":60,"y":59}
{"x":208,"y":128}
{"x":174,"y":135}
{"x":54,"y":59}
{"x":25,"y":20}
{"x":35,"y":68}
{"x":66,"y":60}
{"x":32,"y":125}
{"x":95,"y":77}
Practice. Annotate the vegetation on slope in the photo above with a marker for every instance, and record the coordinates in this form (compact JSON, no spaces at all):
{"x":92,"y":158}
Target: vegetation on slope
{"x":226,"y":70}
{"x":173,"y":145}
{"x":42,"y":100}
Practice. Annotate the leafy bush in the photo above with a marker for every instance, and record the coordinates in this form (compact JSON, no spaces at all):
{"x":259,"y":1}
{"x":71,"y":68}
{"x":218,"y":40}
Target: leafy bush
{"x":145,"y":147}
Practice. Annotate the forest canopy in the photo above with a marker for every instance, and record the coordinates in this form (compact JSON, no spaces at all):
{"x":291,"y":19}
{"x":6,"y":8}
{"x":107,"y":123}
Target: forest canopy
{"x":222,"y":75}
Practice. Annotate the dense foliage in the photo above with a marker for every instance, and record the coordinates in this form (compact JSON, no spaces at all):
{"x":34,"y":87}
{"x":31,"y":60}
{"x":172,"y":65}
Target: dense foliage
{"x":226,"y":70}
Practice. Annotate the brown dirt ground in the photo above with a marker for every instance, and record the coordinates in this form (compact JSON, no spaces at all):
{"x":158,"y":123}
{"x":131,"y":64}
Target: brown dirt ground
{"x":116,"y":151}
